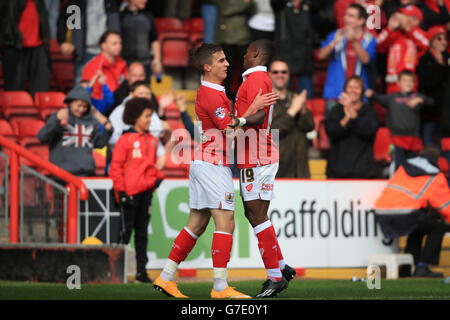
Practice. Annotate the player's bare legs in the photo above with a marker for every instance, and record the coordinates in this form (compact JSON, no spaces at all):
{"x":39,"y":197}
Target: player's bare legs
{"x":182,"y":246}
{"x":256,"y":211}
{"x":198,"y":221}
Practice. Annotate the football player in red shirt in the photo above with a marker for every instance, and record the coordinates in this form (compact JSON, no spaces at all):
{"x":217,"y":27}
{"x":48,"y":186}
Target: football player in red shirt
{"x":211,"y":189}
{"x":258,"y":164}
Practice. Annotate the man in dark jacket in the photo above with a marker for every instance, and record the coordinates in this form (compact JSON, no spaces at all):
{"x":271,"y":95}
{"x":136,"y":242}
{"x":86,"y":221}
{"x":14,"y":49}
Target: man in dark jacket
{"x":25,"y":41}
{"x":445,"y":122}
{"x":416,"y":203}
{"x":293,"y":120}
{"x":433,"y":71}
{"x":139,"y":35}
{"x":351,"y":127}
{"x":82,"y":38}
{"x":294,"y":39}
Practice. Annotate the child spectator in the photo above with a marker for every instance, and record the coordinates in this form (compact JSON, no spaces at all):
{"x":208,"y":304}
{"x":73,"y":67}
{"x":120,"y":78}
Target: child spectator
{"x":403,"y":117}
{"x":135,"y":177}
{"x":73,"y":132}
{"x":405,"y":42}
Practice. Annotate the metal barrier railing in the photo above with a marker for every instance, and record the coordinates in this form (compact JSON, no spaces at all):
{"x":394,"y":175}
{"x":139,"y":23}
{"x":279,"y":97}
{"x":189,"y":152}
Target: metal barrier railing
{"x":43,"y":208}
{"x":73,"y":187}
{"x":4,"y":196}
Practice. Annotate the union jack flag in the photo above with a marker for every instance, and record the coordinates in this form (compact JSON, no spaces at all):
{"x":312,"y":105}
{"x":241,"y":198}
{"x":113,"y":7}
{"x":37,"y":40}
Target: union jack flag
{"x":78,"y":135}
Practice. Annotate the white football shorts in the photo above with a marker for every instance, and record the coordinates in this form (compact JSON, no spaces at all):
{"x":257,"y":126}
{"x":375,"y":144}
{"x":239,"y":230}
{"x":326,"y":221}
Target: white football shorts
{"x":258,"y":183}
{"x":210,"y":186}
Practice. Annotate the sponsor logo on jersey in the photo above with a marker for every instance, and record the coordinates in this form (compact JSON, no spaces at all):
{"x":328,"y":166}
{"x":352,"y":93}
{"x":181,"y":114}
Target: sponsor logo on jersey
{"x":267,"y":187}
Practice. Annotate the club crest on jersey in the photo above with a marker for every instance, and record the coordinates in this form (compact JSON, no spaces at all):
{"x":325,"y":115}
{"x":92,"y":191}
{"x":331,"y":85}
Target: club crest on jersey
{"x":220,"y":113}
{"x":229,"y":197}
{"x":136,"y":153}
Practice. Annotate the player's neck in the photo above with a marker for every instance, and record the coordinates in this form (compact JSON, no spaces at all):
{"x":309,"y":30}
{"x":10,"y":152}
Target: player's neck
{"x":212,"y":79}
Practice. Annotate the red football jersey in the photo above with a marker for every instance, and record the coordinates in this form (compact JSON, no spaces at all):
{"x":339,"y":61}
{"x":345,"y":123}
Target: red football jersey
{"x":259,"y":148}
{"x":211,"y":109}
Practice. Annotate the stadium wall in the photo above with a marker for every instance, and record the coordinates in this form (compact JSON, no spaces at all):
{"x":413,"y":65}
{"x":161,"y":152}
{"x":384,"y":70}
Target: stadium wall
{"x":320,"y":224}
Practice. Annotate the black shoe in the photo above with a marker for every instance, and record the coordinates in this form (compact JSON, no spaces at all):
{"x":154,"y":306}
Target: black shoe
{"x":271,"y":289}
{"x":142,"y":277}
{"x":288,"y":273}
{"x":427,"y":273}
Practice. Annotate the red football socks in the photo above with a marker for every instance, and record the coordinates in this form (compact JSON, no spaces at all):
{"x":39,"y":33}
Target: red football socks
{"x":221,"y":249}
{"x":182,"y":245}
{"x":268,"y":247}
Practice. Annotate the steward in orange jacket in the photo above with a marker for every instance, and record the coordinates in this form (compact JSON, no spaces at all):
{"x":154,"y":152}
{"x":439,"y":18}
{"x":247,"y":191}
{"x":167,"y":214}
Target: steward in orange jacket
{"x":417,"y":188}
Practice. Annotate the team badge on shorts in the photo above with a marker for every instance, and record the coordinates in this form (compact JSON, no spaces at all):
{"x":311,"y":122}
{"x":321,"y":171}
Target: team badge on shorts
{"x":229,"y":197}
{"x":220,"y":113}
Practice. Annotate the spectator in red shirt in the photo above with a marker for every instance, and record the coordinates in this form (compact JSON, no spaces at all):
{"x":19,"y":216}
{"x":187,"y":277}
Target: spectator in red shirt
{"x":109,"y":62}
{"x":405,"y":42}
{"x":25,"y":41}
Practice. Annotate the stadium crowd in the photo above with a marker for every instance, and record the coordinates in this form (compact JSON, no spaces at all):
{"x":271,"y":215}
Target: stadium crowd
{"x":347,"y":69}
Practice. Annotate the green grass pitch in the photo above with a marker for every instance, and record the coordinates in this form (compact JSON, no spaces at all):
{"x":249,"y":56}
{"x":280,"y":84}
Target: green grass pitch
{"x":401,"y":289}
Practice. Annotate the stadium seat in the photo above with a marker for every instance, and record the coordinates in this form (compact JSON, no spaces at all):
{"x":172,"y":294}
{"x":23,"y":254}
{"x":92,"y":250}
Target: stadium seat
{"x":172,"y":112}
{"x":26,"y":132}
{"x":176,"y":164}
{"x":194,"y":26}
{"x":169,"y":25}
{"x":18,"y":104}
{"x":320,"y":64}
{"x":381,"y":112}
{"x":49,"y":102}
{"x":382,"y":145}
{"x":443,"y":165}
{"x":175,"y":123}
{"x":7,"y":131}
{"x":174,"y":40}
{"x":322,"y":142}
{"x":56,"y":54}
{"x":100,"y":163}
{"x":319,"y":78}
{"x":316,"y":106}
{"x":63,"y":75}
{"x":175,"y":50}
